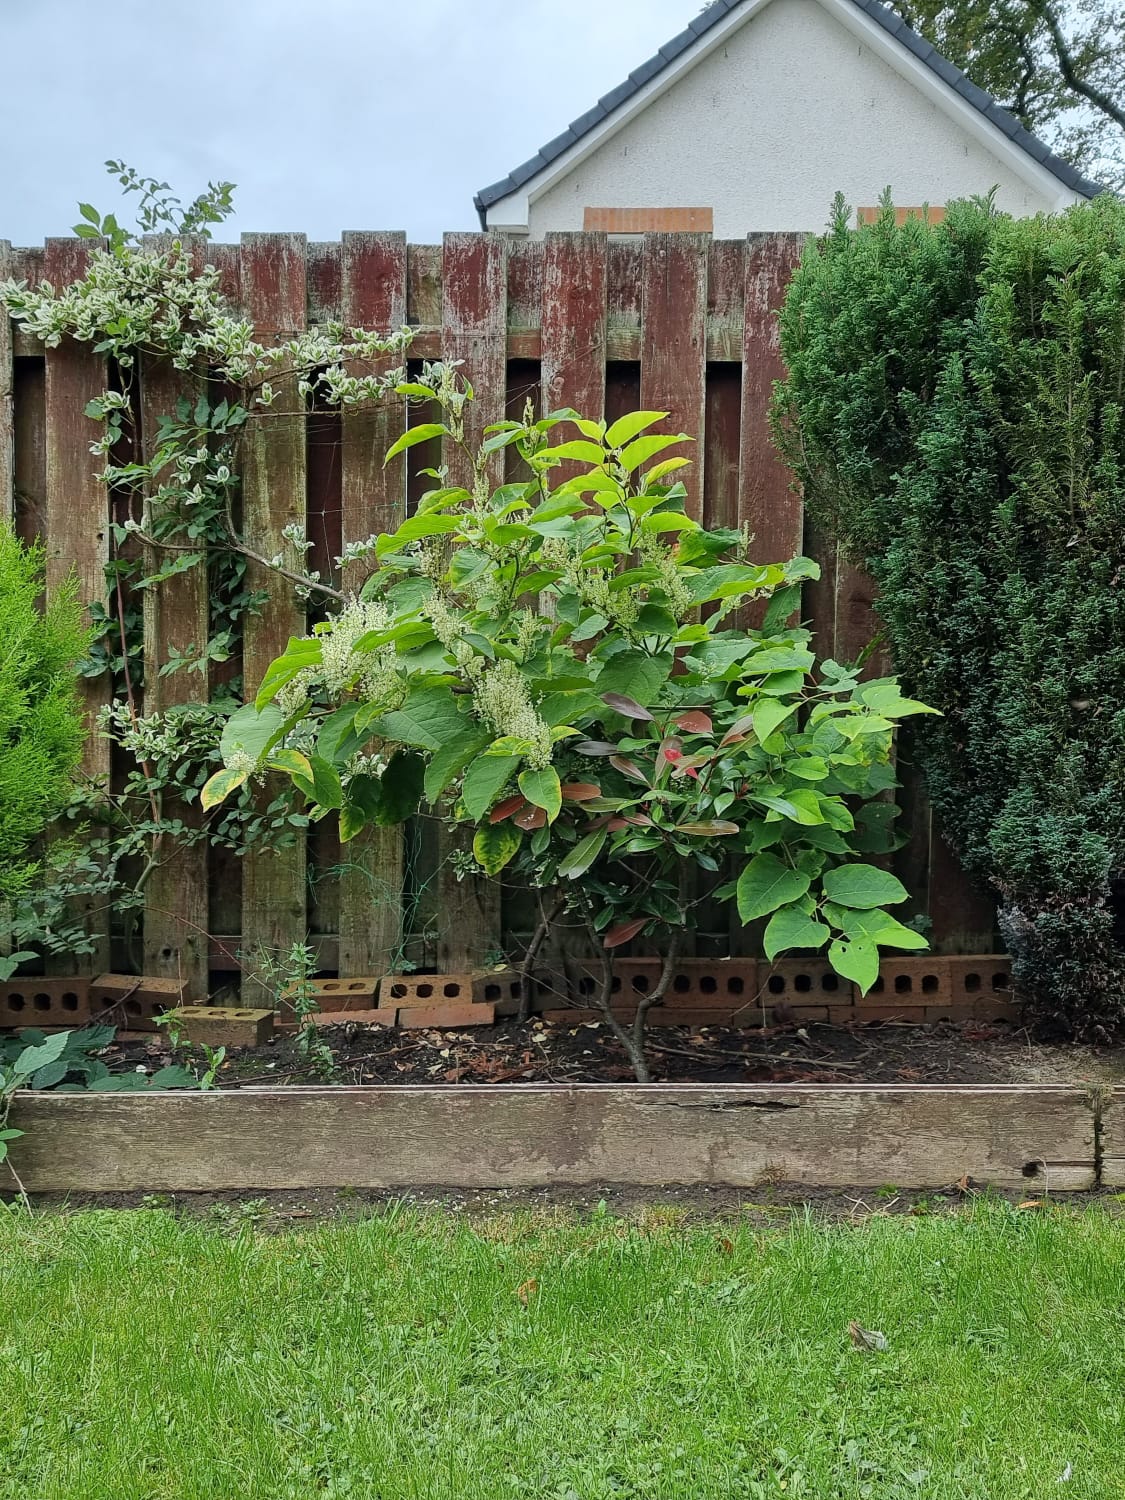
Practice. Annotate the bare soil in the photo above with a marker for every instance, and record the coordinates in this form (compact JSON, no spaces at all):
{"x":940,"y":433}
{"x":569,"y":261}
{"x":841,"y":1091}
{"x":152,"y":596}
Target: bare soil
{"x":543,"y":1051}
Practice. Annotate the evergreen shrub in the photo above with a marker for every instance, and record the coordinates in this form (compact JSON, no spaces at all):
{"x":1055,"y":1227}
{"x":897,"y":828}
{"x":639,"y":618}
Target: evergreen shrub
{"x":954,"y":411}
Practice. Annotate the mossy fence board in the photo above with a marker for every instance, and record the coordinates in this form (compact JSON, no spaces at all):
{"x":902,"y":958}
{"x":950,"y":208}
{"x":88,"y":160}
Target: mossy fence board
{"x":679,"y":322}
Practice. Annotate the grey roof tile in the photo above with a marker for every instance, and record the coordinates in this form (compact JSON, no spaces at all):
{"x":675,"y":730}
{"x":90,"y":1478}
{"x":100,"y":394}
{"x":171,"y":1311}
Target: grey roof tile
{"x":891,"y":23}
{"x":593,"y":116}
{"x":617,"y":96}
{"x":640,"y":76}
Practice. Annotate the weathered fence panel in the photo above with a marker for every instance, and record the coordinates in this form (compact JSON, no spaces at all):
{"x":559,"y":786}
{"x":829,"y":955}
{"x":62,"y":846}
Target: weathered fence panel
{"x":672,"y":322}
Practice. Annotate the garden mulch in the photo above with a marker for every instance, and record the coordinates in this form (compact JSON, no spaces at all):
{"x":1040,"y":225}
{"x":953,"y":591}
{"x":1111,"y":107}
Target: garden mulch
{"x":543,"y":1051}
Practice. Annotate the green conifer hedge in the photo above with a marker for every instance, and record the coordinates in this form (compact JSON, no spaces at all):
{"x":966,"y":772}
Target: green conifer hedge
{"x":954,"y":409}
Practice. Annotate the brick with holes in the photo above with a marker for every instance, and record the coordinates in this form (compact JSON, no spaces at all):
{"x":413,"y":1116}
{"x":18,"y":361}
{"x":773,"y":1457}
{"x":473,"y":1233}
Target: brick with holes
{"x":803,"y":981}
{"x":225,"y":1025}
{"x":425,"y":989}
{"x":707,"y":983}
{"x":980,"y":977}
{"x":44,"y":1003}
{"x":913,"y":982}
{"x":134,"y":1001}
{"x":499,"y":987}
{"x":356,"y":994}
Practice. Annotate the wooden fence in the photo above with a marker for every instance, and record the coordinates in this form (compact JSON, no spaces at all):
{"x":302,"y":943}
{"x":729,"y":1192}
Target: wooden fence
{"x":680,"y":322}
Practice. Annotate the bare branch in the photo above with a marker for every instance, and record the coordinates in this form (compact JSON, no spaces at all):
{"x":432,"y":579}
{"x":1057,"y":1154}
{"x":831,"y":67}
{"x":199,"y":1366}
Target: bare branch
{"x":1089,"y":91}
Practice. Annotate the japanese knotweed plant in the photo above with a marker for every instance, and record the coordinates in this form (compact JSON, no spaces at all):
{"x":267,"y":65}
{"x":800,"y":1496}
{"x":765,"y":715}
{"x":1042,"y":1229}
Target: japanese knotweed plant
{"x":561,"y":664}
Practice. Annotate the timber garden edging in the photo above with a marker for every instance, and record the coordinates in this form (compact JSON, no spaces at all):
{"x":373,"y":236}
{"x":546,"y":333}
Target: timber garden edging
{"x":1039,"y":1137}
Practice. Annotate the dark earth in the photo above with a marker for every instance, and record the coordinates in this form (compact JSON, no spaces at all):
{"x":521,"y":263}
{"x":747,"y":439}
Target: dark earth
{"x":543,"y":1051}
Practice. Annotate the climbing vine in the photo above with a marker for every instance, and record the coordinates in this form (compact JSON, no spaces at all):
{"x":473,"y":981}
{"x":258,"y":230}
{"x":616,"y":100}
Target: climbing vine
{"x":146,"y":303}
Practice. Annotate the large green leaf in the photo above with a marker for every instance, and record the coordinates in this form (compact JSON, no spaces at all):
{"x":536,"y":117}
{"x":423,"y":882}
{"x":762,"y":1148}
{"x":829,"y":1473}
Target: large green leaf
{"x":337,"y":739}
{"x":877,"y":926}
{"x":400,"y":788}
{"x":494,"y":844}
{"x":769,"y":715}
{"x":251,"y":732}
{"x":219,"y":787}
{"x":325,"y":788}
{"x":300,"y":653}
{"x":541,"y":786}
{"x":427,"y":719}
{"x":583,"y":855}
{"x":765,"y":884}
{"x":643,"y":448}
{"x":485,"y":779}
{"x":32,"y":1059}
{"x":863,"y":886}
{"x":628,"y":426}
{"x":636,"y":675}
{"x":792,"y":928}
{"x":420,"y":434}
{"x":448,"y":762}
{"x":885,"y":697}
{"x":855,"y":959}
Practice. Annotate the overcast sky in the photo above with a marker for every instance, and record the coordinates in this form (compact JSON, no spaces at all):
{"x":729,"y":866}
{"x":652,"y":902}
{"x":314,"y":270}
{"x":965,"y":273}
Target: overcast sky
{"x":328,"y":114}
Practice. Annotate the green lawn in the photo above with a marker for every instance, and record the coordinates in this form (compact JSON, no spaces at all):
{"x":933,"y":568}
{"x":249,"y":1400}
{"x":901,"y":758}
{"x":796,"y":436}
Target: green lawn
{"x":420,"y":1355}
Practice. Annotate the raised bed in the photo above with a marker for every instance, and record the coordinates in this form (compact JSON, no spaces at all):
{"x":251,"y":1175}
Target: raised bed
{"x":739,"y":1135}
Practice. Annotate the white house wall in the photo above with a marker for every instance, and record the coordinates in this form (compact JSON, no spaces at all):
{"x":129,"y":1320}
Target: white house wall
{"x":789,"y":109}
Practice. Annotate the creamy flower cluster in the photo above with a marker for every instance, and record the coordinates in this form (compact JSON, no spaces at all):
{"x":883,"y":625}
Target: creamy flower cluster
{"x":373,"y":674}
{"x":503,"y":701}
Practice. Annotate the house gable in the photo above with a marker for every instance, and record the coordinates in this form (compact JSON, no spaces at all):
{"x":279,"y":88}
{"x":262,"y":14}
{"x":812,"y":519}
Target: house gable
{"x":764,"y":108}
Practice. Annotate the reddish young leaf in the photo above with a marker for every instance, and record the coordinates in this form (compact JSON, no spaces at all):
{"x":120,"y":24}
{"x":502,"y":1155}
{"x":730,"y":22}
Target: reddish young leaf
{"x":595,"y":747}
{"x":531,"y":817}
{"x":627,"y":706}
{"x":506,"y":808}
{"x":695,"y":721}
{"x":629,"y":768}
{"x":622,"y":933}
{"x":580,"y":791}
{"x":738,"y":730}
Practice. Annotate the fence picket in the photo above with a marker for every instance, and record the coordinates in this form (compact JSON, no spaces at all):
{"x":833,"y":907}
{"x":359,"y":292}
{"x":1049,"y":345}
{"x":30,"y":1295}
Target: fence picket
{"x":176,"y":618}
{"x":674,"y":343}
{"x":273,"y":288}
{"x":574,"y":324}
{"x":373,"y":500}
{"x":78,"y":521}
{"x":473,"y":332}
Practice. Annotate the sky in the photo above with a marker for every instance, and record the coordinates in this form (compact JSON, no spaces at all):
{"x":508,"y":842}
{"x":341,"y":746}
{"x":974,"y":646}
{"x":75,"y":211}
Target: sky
{"x":327,"y":114}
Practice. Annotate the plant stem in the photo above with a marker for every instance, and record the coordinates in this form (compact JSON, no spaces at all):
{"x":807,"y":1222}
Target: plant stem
{"x":631,"y":1040}
{"x":527,"y":967}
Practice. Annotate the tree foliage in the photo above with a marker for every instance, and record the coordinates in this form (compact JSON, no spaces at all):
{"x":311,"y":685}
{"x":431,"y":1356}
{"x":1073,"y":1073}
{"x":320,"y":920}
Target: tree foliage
{"x":559,"y":664}
{"x":954,"y":408}
{"x":1060,"y":69}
